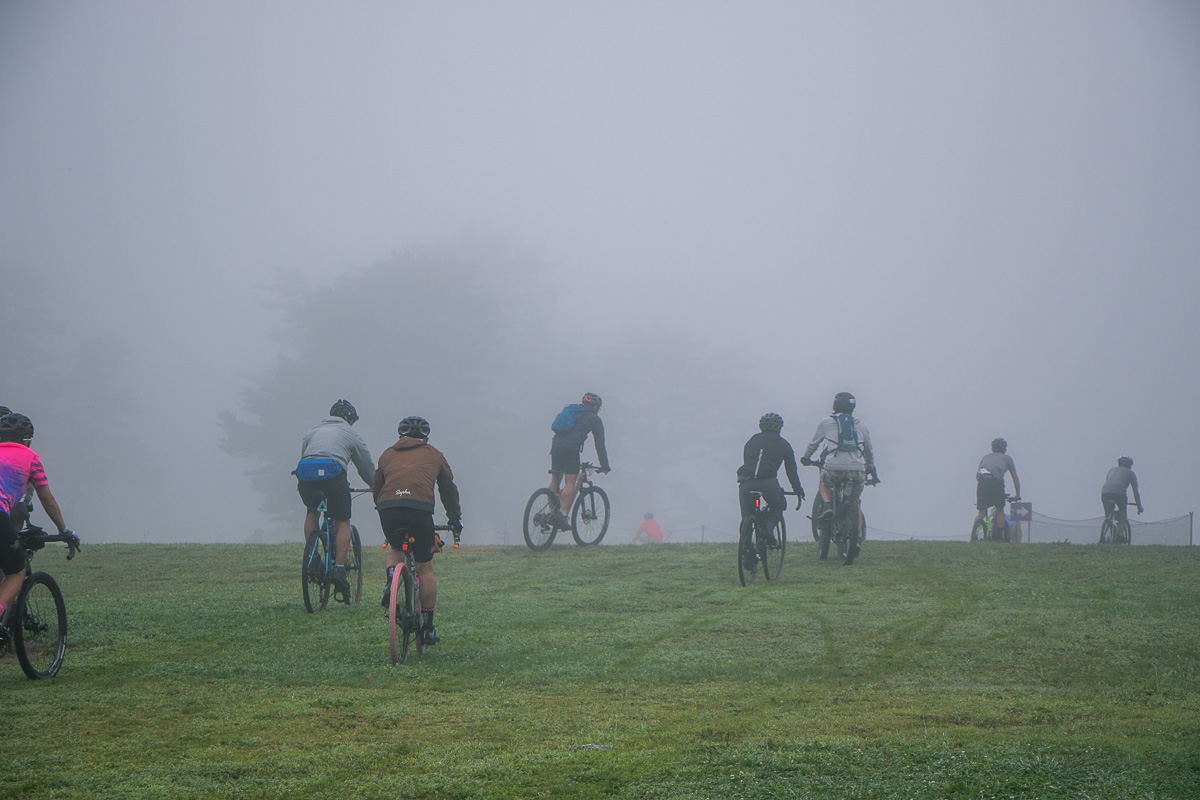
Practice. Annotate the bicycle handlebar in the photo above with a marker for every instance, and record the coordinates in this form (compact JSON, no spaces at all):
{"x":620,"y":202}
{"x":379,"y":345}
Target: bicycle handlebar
{"x":33,"y":533}
{"x":457,"y":534}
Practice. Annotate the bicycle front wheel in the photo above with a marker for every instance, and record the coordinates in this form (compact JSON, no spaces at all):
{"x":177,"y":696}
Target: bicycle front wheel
{"x":354,"y":572}
{"x":589,"y":518}
{"x":771,"y":555}
{"x":539,"y":532}
{"x":400,"y":611}
{"x":40,"y":626}
{"x":313,"y":581}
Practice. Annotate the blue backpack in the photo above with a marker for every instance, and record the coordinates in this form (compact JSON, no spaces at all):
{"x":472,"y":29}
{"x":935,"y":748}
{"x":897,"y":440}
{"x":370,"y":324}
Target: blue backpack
{"x":847,"y":434}
{"x":567,"y":418}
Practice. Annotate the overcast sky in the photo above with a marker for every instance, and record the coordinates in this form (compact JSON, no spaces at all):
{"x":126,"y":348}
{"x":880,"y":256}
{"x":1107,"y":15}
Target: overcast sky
{"x":981,"y":218}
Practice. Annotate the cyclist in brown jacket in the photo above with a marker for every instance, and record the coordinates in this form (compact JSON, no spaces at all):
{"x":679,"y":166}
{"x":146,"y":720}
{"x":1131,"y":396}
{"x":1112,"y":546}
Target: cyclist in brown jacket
{"x":403,"y":491}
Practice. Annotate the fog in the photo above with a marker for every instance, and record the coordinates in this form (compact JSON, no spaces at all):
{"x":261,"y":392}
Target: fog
{"x":981,"y":219}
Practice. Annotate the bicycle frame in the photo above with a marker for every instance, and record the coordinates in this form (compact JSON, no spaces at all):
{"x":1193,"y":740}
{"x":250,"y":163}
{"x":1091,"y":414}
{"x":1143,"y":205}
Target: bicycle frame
{"x":404,"y":610}
{"x":846,"y":524}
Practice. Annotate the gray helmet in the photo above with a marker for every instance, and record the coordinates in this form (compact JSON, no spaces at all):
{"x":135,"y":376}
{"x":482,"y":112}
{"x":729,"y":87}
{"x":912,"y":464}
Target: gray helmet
{"x":999,"y":446}
{"x":770,"y":422}
{"x":413,"y":428}
{"x":592,"y":399}
{"x":343,"y":409}
{"x":15,"y":428}
{"x":843,"y":403}
{"x":1124,"y":461}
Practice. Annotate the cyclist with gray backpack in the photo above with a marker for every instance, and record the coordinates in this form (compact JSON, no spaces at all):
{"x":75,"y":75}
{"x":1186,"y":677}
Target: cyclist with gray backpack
{"x":571,"y":428}
{"x":847,"y":453}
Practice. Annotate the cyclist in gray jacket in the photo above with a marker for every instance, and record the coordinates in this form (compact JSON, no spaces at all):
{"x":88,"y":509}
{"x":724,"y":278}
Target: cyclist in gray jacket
{"x":325,"y":458}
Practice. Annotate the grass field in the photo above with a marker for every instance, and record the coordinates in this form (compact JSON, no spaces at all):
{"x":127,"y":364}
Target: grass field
{"x":926,"y":670}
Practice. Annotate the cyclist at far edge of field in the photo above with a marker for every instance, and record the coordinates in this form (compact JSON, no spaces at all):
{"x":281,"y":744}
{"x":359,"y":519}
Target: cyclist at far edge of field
{"x":989,"y":490}
{"x":403,"y":492}
{"x":762,"y":456}
{"x":849,"y":456}
{"x":327,"y":451}
{"x":20,"y":467}
{"x":571,"y":428}
{"x":1120,"y":478}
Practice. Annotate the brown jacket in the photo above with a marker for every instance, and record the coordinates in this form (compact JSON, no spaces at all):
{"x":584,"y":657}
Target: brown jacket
{"x":407,"y":473}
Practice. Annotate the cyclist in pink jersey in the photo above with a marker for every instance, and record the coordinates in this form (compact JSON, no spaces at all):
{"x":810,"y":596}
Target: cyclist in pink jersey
{"x":20,"y":467}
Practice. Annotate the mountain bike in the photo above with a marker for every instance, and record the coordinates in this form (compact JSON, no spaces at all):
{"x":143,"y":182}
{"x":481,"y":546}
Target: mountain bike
{"x":589,"y":514}
{"x":404,"y":615}
{"x":842,"y":527}
{"x":316,"y":582}
{"x":1114,"y":530}
{"x":984,"y":530}
{"x":755,"y":545}
{"x":36,"y":624}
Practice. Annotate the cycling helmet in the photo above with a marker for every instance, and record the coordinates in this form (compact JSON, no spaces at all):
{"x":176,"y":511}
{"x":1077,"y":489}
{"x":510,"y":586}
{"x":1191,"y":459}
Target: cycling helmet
{"x":843,"y":403}
{"x":414,"y":428}
{"x":1124,"y":461}
{"x":770,"y":422}
{"x":999,"y":446}
{"x":592,"y":399}
{"x":344,"y":409}
{"x":5,"y":411}
{"x":15,"y":428}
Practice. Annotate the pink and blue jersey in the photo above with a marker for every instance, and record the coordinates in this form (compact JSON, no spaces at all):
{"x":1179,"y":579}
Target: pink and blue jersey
{"x":19,"y":468}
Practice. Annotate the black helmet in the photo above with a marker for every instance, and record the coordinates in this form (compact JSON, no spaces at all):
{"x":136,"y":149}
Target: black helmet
{"x":413,"y":428}
{"x":15,"y":428}
{"x":770,"y":422}
{"x":5,"y":411}
{"x":592,"y":399}
{"x":999,"y":446}
{"x":843,"y":403}
{"x":344,"y":409}
{"x":1124,"y":461}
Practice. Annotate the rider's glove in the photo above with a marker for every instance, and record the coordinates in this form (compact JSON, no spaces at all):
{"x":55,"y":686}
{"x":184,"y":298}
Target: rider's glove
{"x":71,"y":535}
{"x":806,"y":461}
{"x":1139,"y":509}
{"x":456,"y":527}
{"x":604,"y":470}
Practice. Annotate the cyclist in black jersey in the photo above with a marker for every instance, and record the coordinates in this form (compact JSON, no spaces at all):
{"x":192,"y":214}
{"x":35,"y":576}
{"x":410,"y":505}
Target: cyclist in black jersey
{"x":761,"y":459}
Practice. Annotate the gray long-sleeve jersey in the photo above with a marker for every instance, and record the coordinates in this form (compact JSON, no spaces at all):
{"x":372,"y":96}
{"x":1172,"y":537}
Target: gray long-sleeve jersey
{"x":839,"y":460}
{"x":332,"y":437}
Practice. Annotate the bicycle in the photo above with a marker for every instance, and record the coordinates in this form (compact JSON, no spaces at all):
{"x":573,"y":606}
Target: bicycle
{"x":319,"y":557}
{"x":404,"y":618}
{"x":1114,"y":530}
{"x":589,"y":514}
{"x":36,"y":624}
{"x":842,"y":527}
{"x":984,"y":530}
{"x":754,"y":542}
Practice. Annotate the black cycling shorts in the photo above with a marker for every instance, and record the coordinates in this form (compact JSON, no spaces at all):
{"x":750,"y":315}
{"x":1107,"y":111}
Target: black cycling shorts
{"x":336,"y":492}
{"x":399,"y":523}
{"x":989,"y":492}
{"x":564,"y":460}
{"x":12,"y":558}
{"x":1112,"y":500}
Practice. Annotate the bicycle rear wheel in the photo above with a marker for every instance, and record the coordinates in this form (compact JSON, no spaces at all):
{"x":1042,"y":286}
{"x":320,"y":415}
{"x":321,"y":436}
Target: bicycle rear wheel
{"x":747,"y":555}
{"x":539,"y":533}
{"x":40,"y":626}
{"x":979,"y":531}
{"x":589,"y":518}
{"x":313,"y":576}
{"x":1121,"y":533}
{"x":354,"y":572}
{"x":399,"y":612}
{"x":847,"y":538}
{"x":772,"y":555}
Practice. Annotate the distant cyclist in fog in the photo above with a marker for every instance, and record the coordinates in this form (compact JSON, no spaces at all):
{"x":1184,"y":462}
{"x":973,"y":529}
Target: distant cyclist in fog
{"x":1120,"y":478}
{"x":989,"y":485}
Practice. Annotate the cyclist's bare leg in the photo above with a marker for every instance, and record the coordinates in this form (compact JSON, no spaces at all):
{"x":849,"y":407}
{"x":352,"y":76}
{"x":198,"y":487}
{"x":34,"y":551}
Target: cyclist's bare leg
{"x":392,"y":557}
{"x":570,"y":485}
{"x":341,"y":544}
{"x":312,"y":521}
{"x":9,"y":586}
{"x":555,"y":486}
{"x":428,"y":584}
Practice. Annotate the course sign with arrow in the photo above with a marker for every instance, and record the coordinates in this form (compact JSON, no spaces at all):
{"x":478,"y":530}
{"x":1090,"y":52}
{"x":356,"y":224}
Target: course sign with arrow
{"x":1021,"y":512}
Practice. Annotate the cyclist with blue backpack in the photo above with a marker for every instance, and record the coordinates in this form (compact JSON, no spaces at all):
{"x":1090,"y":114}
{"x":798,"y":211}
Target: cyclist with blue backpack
{"x":571,"y":428}
{"x":847,"y":453}
{"x":325,"y":457}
